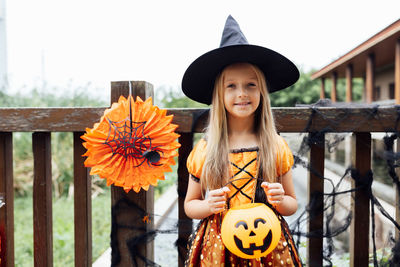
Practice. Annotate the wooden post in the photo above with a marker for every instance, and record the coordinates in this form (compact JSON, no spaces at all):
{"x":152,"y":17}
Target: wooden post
{"x":42,"y":200}
{"x":7,"y":192}
{"x":82,"y":206}
{"x":397,"y":197}
{"x":315,"y":193}
{"x":185,"y":223}
{"x":397,"y":73}
{"x":369,"y":78}
{"x":347,"y":151}
{"x":349,"y":83}
{"x":359,"y":231}
{"x":144,"y":199}
{"x":334,"y":82}
{"x":322,"y":94}
{"x":364,"y":89}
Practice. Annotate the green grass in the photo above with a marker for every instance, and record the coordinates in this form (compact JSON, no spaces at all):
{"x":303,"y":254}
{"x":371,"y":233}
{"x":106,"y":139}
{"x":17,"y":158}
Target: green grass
{"x":63,"y":229}
{"x":101,"y":223}
{"x":23,"y":231}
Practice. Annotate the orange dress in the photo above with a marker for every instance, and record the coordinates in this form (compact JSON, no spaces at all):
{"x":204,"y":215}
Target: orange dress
{"x":206,"y":247}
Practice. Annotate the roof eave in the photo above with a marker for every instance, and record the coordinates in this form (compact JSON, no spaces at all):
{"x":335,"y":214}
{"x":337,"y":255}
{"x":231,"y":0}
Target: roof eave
{"x":368,"y":44}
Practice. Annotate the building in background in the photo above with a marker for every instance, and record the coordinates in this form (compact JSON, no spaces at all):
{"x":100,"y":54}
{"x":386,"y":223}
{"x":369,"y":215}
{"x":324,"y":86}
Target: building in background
{"x":376,"y":61}
{"x":3,"y":45}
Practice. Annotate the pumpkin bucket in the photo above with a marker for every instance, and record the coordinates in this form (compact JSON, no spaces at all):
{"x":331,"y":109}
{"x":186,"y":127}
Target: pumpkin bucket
{"x":251,"y":230}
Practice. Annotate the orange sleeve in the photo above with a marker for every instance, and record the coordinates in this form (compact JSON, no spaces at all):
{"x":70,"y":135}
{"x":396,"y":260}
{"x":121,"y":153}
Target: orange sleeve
{"x":196,"y":159}
{"x":284,"y":159}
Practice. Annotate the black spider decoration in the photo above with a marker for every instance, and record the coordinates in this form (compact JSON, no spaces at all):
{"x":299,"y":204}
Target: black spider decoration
{"x":130,"y":141}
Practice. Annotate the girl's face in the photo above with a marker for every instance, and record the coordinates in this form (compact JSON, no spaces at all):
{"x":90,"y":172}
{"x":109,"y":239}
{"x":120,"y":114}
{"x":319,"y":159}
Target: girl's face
{"x":241,"y":91}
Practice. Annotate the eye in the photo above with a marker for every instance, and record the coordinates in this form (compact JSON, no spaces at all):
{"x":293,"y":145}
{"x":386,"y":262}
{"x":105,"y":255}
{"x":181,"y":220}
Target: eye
{"x":231,"y":85}
{"x":252,"y":84}
{"x":259,"y":220}
{"x":243,"y":223}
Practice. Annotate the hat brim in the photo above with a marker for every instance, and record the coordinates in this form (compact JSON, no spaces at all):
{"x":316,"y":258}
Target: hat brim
{"x":199,"y":78}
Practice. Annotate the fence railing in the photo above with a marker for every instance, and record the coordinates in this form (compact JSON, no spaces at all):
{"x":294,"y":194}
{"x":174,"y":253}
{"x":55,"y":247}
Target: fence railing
{"x":42,"y":121}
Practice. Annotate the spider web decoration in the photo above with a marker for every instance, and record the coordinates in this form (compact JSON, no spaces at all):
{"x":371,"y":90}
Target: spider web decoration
{"x":129,"y":141}
{"x":133,"y":145}
{"x":336,"y":223}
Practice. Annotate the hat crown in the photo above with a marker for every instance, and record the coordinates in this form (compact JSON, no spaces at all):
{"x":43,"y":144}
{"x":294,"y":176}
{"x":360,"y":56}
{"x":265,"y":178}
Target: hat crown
{"x":232,"y":35}
{"x":198,"y":82}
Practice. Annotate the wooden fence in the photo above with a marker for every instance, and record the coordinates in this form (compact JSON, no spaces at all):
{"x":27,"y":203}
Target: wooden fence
{"x":42,"y":121}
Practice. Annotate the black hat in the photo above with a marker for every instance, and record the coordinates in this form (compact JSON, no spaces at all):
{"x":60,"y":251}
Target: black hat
{"x":199,"y":78}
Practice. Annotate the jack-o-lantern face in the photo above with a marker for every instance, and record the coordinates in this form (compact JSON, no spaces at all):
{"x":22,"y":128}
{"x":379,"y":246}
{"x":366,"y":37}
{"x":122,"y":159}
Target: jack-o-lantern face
{"x":250,"y":231}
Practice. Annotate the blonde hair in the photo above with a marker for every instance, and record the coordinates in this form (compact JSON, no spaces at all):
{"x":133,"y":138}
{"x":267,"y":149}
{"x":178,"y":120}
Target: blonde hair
{"x":216,"y":166}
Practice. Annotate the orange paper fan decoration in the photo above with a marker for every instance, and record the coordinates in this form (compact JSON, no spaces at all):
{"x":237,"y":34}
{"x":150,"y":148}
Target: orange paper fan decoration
{"x":133,"y":145}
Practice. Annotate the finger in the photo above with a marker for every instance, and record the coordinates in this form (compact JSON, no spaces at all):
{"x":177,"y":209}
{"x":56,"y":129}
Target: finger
{"x":217,"y":210}
{"x":275,"y":186}
{"x":275,"y":198}
{"x":265,"y":184}
{"x":226,"y":189}
{"x":217,"y":192}
{"x":273,"y":192}
{"x":220,"y":204}
{"x":217,"y":207}
{"x":218,"y":199}
{"x":274,"y":201}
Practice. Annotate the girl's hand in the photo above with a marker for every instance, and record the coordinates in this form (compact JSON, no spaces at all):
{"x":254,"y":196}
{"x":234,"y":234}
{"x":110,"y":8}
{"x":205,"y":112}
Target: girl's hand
{"x":274,"y":192}
{"x":216,"y":199}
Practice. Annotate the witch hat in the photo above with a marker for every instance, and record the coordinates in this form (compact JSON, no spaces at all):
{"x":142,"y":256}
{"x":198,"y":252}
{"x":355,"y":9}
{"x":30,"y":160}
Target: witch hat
{"x":199,"y":78}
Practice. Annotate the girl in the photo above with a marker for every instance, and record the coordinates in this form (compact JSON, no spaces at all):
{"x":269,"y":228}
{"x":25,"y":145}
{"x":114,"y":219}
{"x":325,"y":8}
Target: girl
{"x":241,"y":159}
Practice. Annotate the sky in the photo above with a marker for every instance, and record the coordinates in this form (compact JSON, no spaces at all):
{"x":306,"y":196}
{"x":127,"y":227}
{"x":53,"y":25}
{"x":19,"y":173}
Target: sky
{"x":79,"y":42}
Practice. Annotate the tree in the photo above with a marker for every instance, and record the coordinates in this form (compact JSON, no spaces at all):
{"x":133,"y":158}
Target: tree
{"x":170,"y":97}
{"x":307,"y":91}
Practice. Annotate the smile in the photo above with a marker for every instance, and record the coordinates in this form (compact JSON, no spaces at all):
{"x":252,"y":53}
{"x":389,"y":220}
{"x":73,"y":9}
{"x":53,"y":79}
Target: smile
{"x":250,"y":251}
{"x":242,"y":104}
